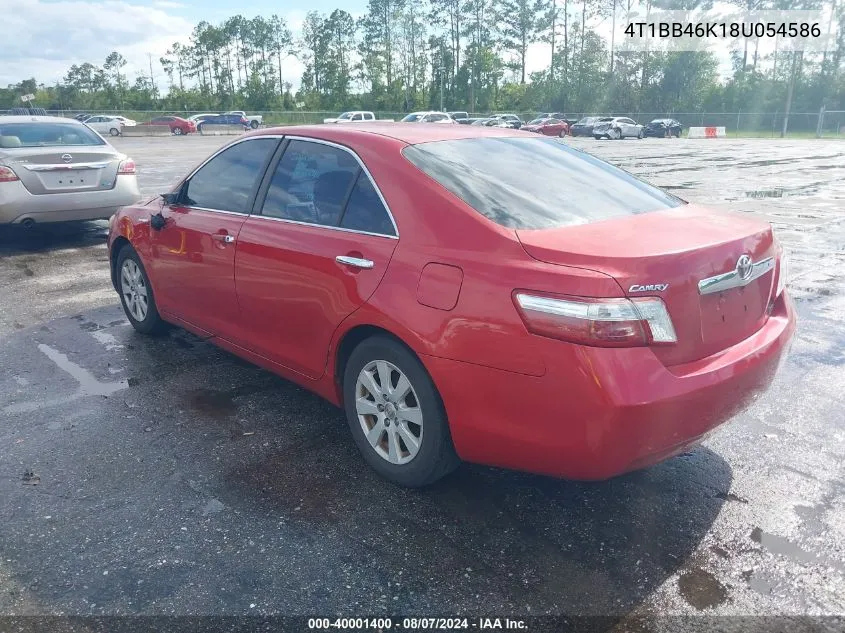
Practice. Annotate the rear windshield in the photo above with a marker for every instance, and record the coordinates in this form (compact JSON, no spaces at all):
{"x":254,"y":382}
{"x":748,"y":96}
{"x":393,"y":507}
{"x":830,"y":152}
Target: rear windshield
{"x":37,"y":134}
{"x":535,"y":183}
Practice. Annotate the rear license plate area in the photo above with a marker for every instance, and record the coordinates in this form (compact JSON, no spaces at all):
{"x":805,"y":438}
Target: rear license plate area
{"x":71,"y":179}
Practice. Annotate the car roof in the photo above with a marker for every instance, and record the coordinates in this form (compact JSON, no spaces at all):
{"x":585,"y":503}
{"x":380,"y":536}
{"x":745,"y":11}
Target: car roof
{"x":17,"y":118}
{"x":408,"y":134}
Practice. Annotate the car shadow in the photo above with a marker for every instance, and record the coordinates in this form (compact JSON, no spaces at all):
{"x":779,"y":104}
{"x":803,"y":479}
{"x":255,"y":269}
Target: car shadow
{"x":205,"y":484}
{"x":530,"y":544}
{"x":16,"y":240}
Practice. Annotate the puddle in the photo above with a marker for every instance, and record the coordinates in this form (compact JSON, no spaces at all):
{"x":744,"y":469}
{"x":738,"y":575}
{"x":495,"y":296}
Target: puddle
{"x":701,"y":589}
{"x":784,"y":547}
{"x":217,"y":404}
{"x":88,"y":384}
{"x":758,"y":583}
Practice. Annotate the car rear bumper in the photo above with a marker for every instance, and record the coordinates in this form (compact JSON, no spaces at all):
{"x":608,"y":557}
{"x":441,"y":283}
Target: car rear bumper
{"x":611,"y":411}
{"x":18,"y":205}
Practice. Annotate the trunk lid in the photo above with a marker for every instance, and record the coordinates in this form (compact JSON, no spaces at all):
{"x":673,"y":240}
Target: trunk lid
{"x":676,"y":248}
{"x":65,"y":169}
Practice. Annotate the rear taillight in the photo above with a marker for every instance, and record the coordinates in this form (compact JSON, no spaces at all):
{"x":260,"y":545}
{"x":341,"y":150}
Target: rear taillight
{"x":126,"y":166}
{"x":599,"y":322}
{"x":7,"y":175}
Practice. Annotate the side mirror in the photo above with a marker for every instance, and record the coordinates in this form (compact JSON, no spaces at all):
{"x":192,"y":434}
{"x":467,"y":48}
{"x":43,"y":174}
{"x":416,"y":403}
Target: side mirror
{"x":170,"y":198}
{"x":158,"y":221}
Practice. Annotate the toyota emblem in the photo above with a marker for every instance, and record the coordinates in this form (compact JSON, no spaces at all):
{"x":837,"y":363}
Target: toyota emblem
{"x":744,"y":267}
{"x":67,"y":158}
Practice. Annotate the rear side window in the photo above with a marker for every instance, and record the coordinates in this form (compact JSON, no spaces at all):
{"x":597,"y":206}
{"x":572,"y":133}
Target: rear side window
{"x":535,"y":183}
{"x":311,"y":184}
{"x":227,"y":181}
{"x":43,"y":134}
{"x":365,"y":210}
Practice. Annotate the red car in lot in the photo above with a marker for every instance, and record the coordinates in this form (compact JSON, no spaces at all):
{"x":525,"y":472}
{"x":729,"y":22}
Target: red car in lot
{"x":178,"y":125}
{"x":465,"y":293}
{"x":547,"y":127}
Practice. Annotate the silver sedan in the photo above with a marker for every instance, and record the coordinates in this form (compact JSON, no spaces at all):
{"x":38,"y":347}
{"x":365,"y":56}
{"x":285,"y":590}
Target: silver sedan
{"x":56,"y":170}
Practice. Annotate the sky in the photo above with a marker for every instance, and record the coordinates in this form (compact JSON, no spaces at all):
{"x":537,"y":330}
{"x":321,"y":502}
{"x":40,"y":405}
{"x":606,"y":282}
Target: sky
{"x":51,"y":35}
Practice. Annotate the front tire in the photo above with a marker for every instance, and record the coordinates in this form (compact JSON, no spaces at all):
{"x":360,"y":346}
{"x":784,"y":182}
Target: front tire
{"x":640,"y":135}
{"x":136,"y":293}
{"x":614,"y":134}
{"x":177,"y":131}
{"x":114,"y":132}
{"x":396,"y":415}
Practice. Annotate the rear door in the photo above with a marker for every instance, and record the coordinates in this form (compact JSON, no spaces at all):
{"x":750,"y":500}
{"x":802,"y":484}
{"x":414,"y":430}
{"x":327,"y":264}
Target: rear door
{"x":193,"y":255}
{"x":316,"y":250}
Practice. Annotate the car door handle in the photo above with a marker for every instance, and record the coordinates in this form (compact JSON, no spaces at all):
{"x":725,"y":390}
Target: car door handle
{"x":355,"y":262}
{"x":226,"y":239}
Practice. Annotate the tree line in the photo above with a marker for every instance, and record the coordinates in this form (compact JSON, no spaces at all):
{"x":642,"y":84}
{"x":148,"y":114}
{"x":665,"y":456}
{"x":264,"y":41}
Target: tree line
{"x":402,"y":55}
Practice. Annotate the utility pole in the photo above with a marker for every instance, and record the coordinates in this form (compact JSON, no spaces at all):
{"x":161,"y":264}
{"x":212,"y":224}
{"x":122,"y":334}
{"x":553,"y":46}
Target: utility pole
{"x":442,"y":74}
{"x":152,"y":79}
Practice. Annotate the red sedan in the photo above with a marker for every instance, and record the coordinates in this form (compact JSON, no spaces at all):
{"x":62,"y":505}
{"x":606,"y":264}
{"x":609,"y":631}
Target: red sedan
{"x":465,"y":293}
{"x":178,"y":125}
{"x":547,"y":127}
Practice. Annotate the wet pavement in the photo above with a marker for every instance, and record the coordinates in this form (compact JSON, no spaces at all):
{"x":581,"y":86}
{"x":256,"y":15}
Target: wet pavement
{"x":164,"y":476}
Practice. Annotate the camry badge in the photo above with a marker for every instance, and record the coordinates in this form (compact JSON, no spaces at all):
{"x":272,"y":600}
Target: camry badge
{"x":648,"y":288}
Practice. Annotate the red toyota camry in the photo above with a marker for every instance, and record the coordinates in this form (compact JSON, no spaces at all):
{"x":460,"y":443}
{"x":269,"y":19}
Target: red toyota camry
{"x":465,"y":293}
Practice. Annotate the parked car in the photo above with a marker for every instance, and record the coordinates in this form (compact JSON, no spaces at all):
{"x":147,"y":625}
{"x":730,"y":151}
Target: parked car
{"x":125,"y":121}
{"x":254,"y":121}
{"x":346,"y":259}
{"x":178,"y":125}
{"x":585,"y":125}
{"x":223,"y":119}
{"x":547,"y":127}
{"x":82,"y":116}
{"x":460,"y":117}
{"x":56,"y":169}
{"x":552,"y":115}
{"x":488,"y":122}
{"x":428,"y":117}
{"x":102,"y":124}
{"x":512,"y":120}
{"x":197,"y":118}
{"x":617,"y":128}
{"x":664,"y":127}
{"x":352,"y":116}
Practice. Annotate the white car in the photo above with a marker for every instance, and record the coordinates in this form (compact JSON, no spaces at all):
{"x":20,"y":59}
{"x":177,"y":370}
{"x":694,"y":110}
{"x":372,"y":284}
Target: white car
{"x":103,"y":124}
{"x":352,"y":117}
{"x":617,"y":128}
{"x":429,"y":117}
{"x":197,"y":118}
{"x":125,"y":121}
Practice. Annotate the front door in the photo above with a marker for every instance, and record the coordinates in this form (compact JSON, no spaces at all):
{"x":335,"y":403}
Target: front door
{"x":317,"y":251}
{"x":193,"y":255}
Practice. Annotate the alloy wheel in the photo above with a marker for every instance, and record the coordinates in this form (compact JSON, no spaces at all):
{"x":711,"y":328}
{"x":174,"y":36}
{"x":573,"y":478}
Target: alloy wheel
{"x":134,"y":290}
{"x":389,"y":412}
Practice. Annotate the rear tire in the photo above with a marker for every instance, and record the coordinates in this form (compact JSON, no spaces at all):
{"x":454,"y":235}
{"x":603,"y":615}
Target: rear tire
{"x":253,"y":125}
{"x":136,"y":293}
{"x":114,"y":132}
{"x":396,"y":415}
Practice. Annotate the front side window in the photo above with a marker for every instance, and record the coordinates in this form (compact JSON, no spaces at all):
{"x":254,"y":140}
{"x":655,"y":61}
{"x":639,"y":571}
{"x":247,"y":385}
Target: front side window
{"x":43,"y":134}
{"x":412,"y":118}
{"x":535,"y":183}
{"x":227,"y":181}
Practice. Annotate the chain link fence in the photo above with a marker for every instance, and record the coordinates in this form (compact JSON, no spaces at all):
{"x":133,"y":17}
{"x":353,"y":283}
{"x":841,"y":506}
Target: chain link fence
{"x":830,"y":124}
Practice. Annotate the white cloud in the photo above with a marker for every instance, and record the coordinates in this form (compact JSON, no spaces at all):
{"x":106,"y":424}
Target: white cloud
{"x":50,"y":37}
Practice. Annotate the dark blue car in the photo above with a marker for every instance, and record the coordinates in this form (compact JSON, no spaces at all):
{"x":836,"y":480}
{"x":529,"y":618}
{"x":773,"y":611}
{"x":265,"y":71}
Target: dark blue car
{"x":222,"y":119}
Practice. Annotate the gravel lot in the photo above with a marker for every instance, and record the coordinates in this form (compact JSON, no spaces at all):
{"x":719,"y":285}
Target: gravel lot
{"x":173,"y":478}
